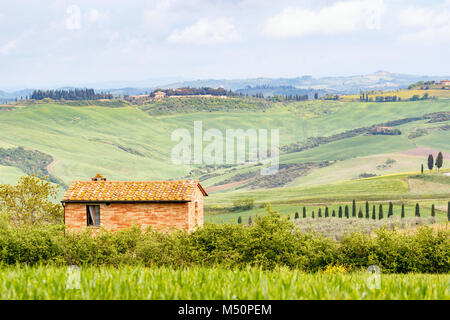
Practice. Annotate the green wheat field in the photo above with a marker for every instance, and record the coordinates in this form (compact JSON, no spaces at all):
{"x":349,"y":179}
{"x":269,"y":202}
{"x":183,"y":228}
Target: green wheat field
{"x":44,"y":283}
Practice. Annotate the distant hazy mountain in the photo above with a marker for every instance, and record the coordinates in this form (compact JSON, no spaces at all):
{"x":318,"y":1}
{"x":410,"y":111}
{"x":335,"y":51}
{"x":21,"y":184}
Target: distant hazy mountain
{"x":270,"y":91}
{"x":149,"y":83}
{"x":11,"y":96}
{"x":380,"y":80}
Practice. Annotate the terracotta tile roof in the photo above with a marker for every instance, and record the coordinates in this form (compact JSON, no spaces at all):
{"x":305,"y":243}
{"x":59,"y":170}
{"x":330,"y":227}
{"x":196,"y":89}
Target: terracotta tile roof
{"x":181,"y":190}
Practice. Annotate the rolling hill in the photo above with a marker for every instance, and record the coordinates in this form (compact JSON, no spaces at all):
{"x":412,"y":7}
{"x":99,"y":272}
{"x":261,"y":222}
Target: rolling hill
{"x":129,"y":142}
{"x":380,"y":80}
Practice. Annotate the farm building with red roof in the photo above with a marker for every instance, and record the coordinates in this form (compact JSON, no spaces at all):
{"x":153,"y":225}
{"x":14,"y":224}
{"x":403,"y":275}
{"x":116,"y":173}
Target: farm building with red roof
{"x":116,"y":205}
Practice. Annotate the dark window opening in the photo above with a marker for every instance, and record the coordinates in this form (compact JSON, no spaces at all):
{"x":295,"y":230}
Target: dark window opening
{"x":93,"y":215}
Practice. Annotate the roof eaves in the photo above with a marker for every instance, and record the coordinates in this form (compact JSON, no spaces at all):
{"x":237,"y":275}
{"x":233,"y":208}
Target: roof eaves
{"x":125,"y":201}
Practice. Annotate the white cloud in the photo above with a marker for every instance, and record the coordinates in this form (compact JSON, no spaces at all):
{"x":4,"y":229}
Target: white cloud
{"x":73,"y":19}
{"x":206,"y":31}
{"x":429,"y":26}
{"x":340,"y":17}
{"x":164,"y":15}
{"x":96,"y":16}
{"x":8,"y":47}
{"x":15,"y":44}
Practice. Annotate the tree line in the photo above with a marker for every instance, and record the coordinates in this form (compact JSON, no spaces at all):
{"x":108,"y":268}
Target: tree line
{"x":367,"y":213}
{"x":431,"y":163}
{"x":187,"y":91}
{"x":364,"y":97}
{"x":75,"y":94}
{"x":289,"y":97}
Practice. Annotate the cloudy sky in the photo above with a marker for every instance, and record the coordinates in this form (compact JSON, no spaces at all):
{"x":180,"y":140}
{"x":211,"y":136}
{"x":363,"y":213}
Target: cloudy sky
{"x":53,"y":43}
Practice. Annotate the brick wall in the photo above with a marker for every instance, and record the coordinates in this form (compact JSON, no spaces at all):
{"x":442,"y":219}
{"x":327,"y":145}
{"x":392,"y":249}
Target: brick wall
{"x":195,"y":218}
{"x":116,"y":216}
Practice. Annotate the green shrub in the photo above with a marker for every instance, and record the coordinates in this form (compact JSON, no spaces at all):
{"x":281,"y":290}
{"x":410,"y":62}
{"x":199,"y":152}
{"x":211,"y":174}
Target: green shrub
{"x":270,"y":242}
{"x":243,"y":204}
{"x":396,"y":252}
{"x":31,"y":245}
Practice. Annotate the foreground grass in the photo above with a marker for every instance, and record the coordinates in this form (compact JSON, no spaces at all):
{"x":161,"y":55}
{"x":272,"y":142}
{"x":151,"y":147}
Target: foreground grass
{"x":49,"y":282}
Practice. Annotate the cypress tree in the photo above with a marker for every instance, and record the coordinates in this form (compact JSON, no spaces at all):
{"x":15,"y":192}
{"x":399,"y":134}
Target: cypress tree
{"x":326,"y":212}
{"x":334,"y":213}
{"x":354,"y":209}
{"x":312,"y":215}
{"x":250,"y":221}
{"x":304,"y":212}
{"x":403,"y":210}
{"x":296,"y":215}
{"x":421,"y":169}
{"x":367,"y":210}
{"x":320,"y":213}
{"x":430,"y":162}
{"x":340,"y":212}
{"x":417,"y":210}
{"x":432,"y":210}
{"x":240,"y":220}
{"x":346,"y":211}
{"x":391,"y":210}
{"x":380,"y":212}
{"x":439,"y":161}
{"x":374,"y":216}
{"x":448,"y":211}
{"x":360,"y":213}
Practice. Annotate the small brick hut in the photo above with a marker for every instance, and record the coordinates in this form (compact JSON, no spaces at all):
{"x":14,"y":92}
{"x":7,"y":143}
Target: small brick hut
{"x":116,"y":205}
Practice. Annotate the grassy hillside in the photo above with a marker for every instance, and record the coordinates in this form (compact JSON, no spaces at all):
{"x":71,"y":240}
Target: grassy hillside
{"x":134,"y":143}
{"x":436,"y":140}
{"x":394,"y":186}
{"x":404,"y":94}
{"x":408,"y":188}
{"x":9,"y":174}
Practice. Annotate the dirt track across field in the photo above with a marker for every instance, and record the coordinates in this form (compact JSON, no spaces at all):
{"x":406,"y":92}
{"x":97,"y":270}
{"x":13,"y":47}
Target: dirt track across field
{"x":50,"y":166}
{"x":424,"y":152}
{"x":225,"y":186}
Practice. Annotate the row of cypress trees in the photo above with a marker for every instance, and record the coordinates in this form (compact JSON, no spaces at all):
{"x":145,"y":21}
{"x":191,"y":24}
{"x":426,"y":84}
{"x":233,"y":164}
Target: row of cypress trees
{"x":344,"y":212}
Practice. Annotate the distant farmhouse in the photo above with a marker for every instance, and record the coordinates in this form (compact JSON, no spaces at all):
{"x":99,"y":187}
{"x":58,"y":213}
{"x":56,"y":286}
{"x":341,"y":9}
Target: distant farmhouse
{"x":385,"y":131}
{"x":116,"y":205}
{"x":159,"y":95}
{"x":445,"y":83}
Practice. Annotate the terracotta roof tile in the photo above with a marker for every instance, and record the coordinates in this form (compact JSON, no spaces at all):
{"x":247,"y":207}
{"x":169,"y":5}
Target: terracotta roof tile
{"x":181,"y":190}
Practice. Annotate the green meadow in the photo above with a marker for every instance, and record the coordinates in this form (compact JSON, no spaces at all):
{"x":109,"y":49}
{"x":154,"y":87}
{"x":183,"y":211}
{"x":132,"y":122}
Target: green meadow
{"x":127,"y":142}
{"x":137,"y":283}
{"x":85,"y":140}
